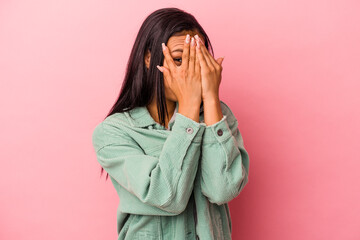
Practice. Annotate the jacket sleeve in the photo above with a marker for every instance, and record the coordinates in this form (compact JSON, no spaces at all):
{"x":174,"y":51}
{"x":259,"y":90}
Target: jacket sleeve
{"x":224,"y":160}
{"x":164,"y":182}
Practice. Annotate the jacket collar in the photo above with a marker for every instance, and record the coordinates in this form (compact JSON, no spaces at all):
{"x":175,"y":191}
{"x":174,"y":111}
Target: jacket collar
{"x":141,"y":117}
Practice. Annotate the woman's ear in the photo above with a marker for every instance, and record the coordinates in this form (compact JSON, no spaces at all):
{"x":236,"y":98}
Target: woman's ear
{"x":147,"y":58}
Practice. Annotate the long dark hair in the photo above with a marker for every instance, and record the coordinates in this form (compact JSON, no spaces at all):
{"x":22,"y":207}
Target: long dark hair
{"x":141,"y":84}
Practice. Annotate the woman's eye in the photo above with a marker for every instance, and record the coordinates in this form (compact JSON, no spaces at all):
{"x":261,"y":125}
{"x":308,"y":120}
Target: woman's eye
{"x":177,"y":59}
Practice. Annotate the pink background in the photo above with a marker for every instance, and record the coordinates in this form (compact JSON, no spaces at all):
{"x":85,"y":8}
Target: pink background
{"x":291,"y":76}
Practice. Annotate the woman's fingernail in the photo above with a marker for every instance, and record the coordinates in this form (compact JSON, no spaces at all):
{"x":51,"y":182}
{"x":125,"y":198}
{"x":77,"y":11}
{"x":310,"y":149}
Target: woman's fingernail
{"x":197,"y":43}
{"x":192,"y":41}
{"x":163,"y":46}
{"x":199,"y":39}
{"x":161,"y":70}
{"x":187,"y":39}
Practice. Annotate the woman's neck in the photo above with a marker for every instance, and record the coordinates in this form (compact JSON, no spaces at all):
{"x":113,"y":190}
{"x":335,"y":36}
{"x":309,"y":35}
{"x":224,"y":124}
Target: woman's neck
{"x":152,"y":108}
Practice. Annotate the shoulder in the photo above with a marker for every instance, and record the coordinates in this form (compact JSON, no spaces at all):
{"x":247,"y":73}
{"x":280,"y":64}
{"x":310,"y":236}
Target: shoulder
{"x":226,"y":110}
{"x":112,"y":126}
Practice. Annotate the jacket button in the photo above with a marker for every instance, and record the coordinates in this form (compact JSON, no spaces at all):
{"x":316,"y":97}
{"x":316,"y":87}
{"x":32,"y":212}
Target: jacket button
{"x":220,"y":132}
{"x":189,"y":130}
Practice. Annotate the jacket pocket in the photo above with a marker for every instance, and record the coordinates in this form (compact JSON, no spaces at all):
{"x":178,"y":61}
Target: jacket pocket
{"x":145,"y":234}
{"x":125,"y":228}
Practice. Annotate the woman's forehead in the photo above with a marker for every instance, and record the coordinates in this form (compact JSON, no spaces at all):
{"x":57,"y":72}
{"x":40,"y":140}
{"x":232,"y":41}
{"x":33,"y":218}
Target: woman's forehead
{"x":178,"y":41}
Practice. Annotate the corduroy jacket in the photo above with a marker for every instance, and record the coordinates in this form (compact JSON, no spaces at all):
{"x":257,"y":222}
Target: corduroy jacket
{"x":172,"y":183}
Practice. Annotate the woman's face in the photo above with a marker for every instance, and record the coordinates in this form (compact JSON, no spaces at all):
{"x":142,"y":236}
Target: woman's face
{"x":176,"y":45}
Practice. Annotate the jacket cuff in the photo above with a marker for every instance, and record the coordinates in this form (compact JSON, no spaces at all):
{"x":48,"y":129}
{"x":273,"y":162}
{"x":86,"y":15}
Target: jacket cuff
{"x":188,"y":127}
{"x":217,"y":132}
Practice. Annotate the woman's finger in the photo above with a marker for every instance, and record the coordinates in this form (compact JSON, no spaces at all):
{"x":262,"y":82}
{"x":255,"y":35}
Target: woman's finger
{"x":165,"y":71}
{"x":197,"y":66}
{"x":220,"y":61}
{"x":192,"y":56}
{"x":185,"y":54}
{"x":208,"y":56}
{"x":201,"y":46}
{"x":168,"y":58}
{"x":202,"y":61}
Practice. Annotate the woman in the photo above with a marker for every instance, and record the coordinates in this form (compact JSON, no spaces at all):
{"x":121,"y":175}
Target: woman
{"x":172,"y":149}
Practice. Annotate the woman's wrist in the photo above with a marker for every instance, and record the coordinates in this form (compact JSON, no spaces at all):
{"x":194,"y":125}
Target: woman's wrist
{"x":212,"y":110}
{"x":211,"y":98}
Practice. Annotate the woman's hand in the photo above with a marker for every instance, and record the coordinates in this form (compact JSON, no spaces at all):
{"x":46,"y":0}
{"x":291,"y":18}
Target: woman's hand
{"x":211,"y":70}
{"x":184,"y":80}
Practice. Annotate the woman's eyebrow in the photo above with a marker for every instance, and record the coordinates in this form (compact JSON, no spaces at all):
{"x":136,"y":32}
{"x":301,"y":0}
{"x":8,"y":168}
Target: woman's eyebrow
{"x":177,"y":50}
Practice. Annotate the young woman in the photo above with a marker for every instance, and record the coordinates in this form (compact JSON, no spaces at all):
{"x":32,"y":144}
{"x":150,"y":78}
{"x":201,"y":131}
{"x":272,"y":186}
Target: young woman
{"x":172,"y":148}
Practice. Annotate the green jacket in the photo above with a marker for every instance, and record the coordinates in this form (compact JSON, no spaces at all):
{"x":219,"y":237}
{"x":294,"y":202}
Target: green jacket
{"x":172,"y":183}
